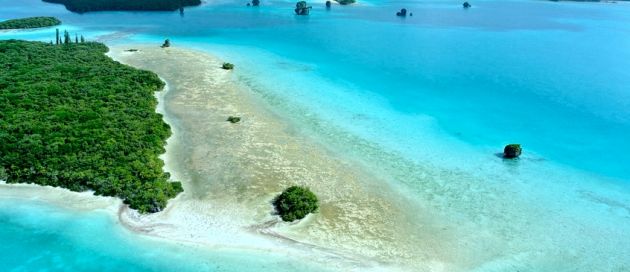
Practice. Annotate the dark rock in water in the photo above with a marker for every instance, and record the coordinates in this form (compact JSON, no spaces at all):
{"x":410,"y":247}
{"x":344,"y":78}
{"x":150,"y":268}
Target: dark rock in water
{"x":167,"y":43}
{"x":248,"y":4}
{"x":402,"y":13}
{"x":301,"y":8}
{"x":328,"y":4}
{"x":255,"y":3}
{"x":512,"y":151}
{"x":234,"y":119}
{"x":467,"y":5}
{"x":132,"y":50}
{"x":410,"y":13}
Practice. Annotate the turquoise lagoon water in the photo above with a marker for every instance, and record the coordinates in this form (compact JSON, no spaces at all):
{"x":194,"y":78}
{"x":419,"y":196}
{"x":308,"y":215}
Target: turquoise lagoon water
{"x":433,"y":98}
{"x":39,"y":237}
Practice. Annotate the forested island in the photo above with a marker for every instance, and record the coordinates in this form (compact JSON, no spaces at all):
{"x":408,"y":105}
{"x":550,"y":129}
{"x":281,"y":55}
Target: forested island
{"x":346,"y":2}
{"x":31,"y":22}
{"x":72,"y":117}
{"x":82,"y":6}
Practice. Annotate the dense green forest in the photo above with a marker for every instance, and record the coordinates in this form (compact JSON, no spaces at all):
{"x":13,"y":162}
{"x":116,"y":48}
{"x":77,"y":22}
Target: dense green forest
{"x":32,"y":22}
{"x":104,"y":5}
{"x":74,"y":118}
{"x":295,"y":203}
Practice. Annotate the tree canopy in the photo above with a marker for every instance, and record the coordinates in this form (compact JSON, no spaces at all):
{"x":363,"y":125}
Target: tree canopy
{"x":72,"y":117}
{"x":82,"y":6}
{"x":295,"y":203}
{"x":31,"y":22}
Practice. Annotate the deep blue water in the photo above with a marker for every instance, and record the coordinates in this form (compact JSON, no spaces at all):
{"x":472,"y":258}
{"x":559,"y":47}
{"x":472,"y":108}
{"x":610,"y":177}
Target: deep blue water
{"x":448,"y":86}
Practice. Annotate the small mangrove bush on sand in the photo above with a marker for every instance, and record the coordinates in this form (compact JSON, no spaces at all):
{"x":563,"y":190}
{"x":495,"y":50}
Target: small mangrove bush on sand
{"x":167,"y":43}
{"x":295,"y":203}
{"x":72,"y":117}
{"x":234,"y":119}
{"x":227,"y":66}
{"x":512,"y":151}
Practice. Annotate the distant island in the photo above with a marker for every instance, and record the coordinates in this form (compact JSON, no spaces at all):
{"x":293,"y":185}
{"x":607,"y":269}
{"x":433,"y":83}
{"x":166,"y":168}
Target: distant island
{"x":81,"y":6}
{"x":31,"y":22}
{"x":346,"y":2}
{"x":72,"y":117}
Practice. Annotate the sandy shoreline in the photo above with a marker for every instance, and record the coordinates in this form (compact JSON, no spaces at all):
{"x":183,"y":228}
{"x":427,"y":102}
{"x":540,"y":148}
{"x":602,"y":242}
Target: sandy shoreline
{"x":230,"y":173}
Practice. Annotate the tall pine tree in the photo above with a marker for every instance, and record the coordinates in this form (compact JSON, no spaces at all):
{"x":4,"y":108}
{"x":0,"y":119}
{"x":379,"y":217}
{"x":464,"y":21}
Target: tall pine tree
{"x":66,"y":37}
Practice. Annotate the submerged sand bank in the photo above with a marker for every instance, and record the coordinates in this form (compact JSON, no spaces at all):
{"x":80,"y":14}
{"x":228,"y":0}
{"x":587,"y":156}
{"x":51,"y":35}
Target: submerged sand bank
{"x":230,"y":173}
{"x":459,"y":221}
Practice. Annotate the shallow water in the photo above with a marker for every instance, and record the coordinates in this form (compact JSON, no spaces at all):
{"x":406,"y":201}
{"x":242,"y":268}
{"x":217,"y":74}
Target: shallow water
{"x":426,"y":102}
{"x":39,"y":236}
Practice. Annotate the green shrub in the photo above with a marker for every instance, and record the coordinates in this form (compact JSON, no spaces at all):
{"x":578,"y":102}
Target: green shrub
{"x":512,"y":151}
{"x":234,"y":119}
{"x":3,"y":174}
{"x":227,"y":66}
{"x":167,"y":43}
{"x":295,"y":203}
{"x":302,"y":8}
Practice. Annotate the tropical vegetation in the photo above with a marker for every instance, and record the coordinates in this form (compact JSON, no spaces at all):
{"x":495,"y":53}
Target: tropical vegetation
{"x":346,"y":2}
{"x":295,"y":203}
{"x":72,"y":117}
{"x":227,"y":66}
{"x":82,"y":6}
{"x":31,"y":22}
{"x":512,"y":151}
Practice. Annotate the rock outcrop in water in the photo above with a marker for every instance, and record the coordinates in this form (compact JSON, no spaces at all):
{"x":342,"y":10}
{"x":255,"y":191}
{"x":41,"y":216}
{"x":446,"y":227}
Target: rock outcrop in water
{"x":301,"y":8}
{"x":512,"y":151}
{"x":328,"y":4}
{"x":402,"y":13}
{"x":255,"y":3}
{"x":466,"y":5}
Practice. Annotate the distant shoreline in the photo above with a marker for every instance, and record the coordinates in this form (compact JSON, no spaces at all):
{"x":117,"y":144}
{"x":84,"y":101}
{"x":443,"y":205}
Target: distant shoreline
{"x":83,"y":6}
{"x":29,"y":23}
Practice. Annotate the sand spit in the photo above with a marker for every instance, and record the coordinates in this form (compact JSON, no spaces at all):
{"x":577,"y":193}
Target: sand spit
{"x":231,"y":172}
